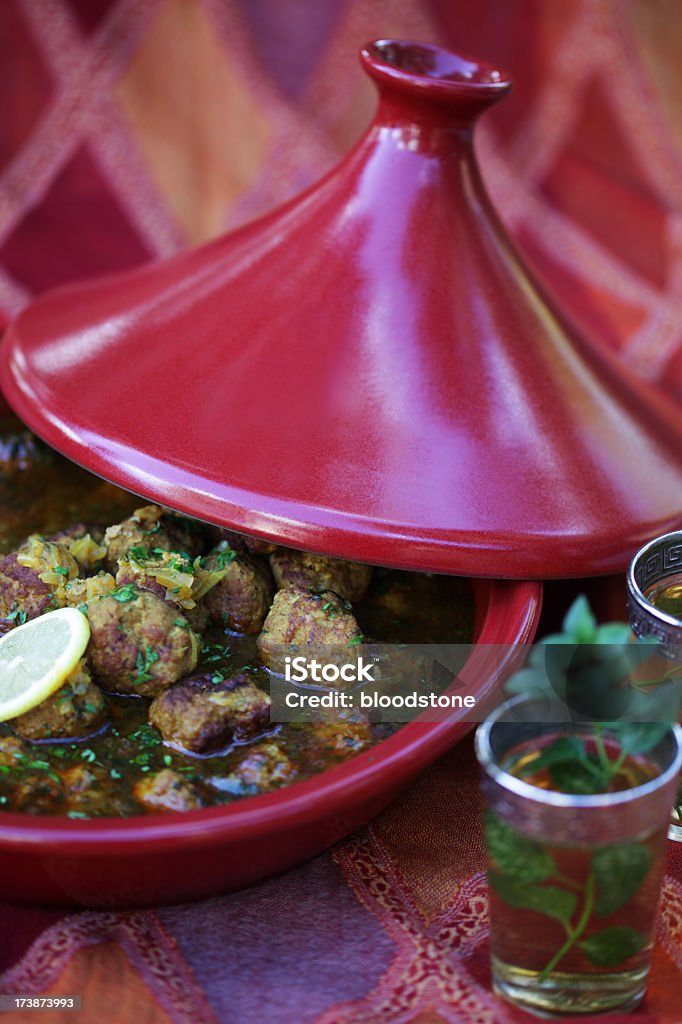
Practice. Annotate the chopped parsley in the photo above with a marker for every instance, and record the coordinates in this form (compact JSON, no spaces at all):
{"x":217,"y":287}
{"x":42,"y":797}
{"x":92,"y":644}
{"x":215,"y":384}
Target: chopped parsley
{"x":146,"y":736}
{"x":125,"y":593}
{"x":215,"y":652}
{"x":138,"y":553}
{"x":225,"y":558}
{"x":144,"y":661}
{"x":18,"y":615}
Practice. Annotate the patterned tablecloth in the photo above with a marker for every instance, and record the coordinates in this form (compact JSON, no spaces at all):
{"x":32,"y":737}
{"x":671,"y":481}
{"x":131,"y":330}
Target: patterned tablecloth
{"x":131,"y":128}
{"x":389,"y":927}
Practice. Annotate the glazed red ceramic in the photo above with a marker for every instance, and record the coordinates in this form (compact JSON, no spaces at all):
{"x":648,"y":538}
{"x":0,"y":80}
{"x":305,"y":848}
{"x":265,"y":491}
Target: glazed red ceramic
{"x":369,"y":371}
{"x":167,"y":858}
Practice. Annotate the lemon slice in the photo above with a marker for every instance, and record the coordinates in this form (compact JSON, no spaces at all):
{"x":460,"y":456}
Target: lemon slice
{"x":36,"y":658}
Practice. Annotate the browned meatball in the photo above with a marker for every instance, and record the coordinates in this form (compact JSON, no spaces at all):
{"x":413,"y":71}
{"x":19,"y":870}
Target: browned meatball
{"x":33,"y":579}
{"x":241,"y":600}
{"x":132,"y":572}
{"x":306,"y":571}
{"x":202,"y":716}
{"x":23,"y":595}
{"x":167,"y":791}
{"x":54,"y":563}
{"x":301,"y":617}
{"x":76,"y":709}
{"x":146,"y":529}
{"x":266,"y":766}
{"x":139,"y":643}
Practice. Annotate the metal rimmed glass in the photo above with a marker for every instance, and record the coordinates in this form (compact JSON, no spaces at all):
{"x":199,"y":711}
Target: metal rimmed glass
{"x":551,"y":858}
{"x":656,"y":564}
{"x":658,"y":561}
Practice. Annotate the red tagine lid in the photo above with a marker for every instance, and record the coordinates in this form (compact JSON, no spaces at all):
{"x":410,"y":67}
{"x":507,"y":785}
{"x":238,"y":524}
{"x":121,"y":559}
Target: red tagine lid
{"x":370,"y":371}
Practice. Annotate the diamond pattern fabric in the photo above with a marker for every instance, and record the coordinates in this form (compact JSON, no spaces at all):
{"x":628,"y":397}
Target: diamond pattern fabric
{"x":198,"y":115}
{"x":130,"y":129}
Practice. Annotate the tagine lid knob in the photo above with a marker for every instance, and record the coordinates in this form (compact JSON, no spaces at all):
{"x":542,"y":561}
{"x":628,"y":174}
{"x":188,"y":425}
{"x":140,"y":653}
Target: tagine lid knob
{"x":369,"y":371}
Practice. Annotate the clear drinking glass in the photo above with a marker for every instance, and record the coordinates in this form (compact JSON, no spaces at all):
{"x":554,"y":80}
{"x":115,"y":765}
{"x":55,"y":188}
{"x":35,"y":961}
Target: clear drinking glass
{"x":574,"y":880}
{"x":654,"y":595}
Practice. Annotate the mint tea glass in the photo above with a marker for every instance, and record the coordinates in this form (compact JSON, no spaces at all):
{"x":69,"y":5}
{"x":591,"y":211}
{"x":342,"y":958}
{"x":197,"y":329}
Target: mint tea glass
{"x":574,"y":880}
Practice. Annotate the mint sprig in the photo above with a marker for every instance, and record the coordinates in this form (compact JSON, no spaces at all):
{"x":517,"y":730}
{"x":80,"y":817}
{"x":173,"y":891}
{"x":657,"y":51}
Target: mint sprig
{"x":589,"y":668}
{"x":524,"y":875}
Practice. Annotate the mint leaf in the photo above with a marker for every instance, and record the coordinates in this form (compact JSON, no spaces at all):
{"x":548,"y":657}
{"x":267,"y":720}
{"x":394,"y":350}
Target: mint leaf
{"x":613,"y":633}
{"x":548,"y":900}
{"x":638,"y":737}
{"x":579,"y":622}
{"x":612,"y":945}
{"x":565,"y":750}
{"x":619,"y":872}
{"x":584,"y":778}
{"x":515,"y":854}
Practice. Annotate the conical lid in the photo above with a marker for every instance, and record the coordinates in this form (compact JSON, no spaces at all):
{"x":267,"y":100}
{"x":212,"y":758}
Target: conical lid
{"x":369,"y":371}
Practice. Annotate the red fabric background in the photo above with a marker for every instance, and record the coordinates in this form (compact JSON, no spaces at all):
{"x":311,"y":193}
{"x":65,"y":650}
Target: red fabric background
{"x":132,"y":128}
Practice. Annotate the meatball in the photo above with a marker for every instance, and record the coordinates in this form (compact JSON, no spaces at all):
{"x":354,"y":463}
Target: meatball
{"x":306,"y":571}
{"x":32,"y":579}
{"x":54,"y":563}
{"x":139,"y":643}
{"x":201,"y":716}
{"x":147,"y":528}
{"x":167,"y":791}
{"x":147,"y":575}
{"x":23,"y":595}
{"x":266,"y":766}
{"x":240,"y":601}
{"x":76,"y":709}
{"x":301,"y":617}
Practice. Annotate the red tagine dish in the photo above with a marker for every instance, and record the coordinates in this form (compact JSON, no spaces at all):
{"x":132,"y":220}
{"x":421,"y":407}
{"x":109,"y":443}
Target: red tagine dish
{"x":370,"y":371}
{"x":166,"y":858}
